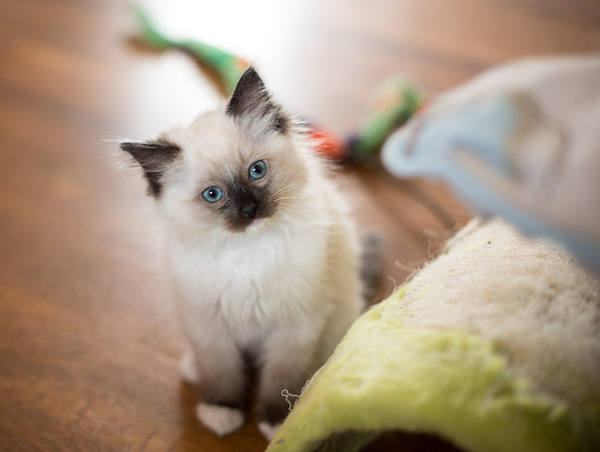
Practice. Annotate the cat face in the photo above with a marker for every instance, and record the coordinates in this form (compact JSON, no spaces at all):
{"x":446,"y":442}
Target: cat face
{"x":228,"y":170}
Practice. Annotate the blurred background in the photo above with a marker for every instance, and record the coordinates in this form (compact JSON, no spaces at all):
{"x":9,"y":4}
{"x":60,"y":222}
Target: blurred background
{"x":89,"y":342}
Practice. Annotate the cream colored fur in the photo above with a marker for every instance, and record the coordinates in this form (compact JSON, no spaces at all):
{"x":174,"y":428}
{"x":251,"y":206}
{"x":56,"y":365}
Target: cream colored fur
{"x":269,"y":431}
{"x":286,"y":289}
{"x":221,"y":420}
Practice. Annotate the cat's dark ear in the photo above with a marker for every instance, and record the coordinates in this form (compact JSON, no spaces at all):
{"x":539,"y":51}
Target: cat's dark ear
{"x":154,"y":157}
{"x":251,"y":100}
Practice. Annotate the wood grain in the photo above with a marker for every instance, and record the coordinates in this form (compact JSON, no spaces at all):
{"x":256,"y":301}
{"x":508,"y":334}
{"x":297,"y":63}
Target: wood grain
{"x":89,"y":342}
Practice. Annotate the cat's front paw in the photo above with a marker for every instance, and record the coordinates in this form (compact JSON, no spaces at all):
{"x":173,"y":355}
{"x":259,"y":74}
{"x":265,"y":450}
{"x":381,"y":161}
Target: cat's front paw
{"x":220,"y":419}
{"x":189,"y":368}
{"x":268,"y":430}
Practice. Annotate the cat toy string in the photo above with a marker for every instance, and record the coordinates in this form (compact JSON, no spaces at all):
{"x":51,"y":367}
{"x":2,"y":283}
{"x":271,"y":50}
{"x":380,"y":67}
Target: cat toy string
{"x":411,"y":190}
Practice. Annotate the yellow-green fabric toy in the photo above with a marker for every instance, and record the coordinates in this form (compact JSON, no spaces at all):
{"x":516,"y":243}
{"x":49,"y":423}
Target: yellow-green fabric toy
{"x":493,"y":346}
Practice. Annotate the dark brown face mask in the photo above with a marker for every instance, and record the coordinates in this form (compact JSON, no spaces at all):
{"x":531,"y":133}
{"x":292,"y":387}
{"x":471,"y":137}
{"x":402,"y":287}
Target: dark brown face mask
{"x":246,"y":203}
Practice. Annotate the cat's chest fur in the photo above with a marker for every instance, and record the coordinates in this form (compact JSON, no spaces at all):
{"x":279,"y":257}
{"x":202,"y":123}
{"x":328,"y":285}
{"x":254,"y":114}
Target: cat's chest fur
{"x":266,"y":281}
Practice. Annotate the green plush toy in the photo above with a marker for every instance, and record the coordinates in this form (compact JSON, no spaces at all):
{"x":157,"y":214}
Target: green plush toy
{"x":494,"y":346}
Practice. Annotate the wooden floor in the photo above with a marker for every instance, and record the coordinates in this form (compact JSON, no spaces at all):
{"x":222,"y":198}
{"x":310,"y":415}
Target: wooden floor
{"x":89,"y":343}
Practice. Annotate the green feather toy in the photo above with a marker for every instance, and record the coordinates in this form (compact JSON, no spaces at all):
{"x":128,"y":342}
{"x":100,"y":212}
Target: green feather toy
{"x":228,"y":67}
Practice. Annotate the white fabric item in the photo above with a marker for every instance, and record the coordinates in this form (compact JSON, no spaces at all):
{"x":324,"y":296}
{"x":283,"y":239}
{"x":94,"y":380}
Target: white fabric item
{"x":521,"y":140}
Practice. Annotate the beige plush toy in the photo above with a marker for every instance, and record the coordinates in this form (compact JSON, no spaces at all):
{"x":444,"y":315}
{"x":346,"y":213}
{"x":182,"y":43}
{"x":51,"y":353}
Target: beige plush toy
{"x":493,"y":346}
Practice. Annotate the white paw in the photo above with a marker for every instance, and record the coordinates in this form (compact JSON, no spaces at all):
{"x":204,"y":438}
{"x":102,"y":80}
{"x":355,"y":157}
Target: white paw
{"x":268,"y":430}
{"x":220,"y":419}
{"x":189,"y":368}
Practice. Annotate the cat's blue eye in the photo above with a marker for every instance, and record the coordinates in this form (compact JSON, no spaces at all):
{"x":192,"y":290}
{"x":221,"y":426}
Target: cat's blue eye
{"x":257,"y":170}
{"x":212,"y":194}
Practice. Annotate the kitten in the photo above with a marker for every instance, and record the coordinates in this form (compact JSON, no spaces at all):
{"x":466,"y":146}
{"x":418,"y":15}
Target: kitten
{"x":262,"y":252}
